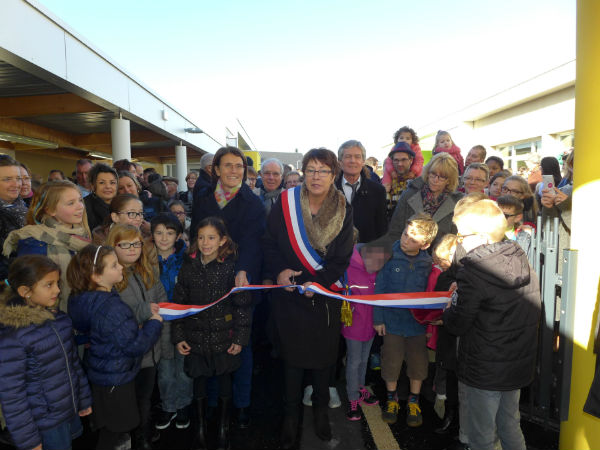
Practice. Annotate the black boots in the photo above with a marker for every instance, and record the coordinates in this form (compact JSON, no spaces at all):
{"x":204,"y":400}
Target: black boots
{"x":448,"y":422}
{"x":140,"y":439}
{"x":322,"y":426}
{"x":199,"y":442}
{"x":223,"y":432}
{"x":289,"y":431}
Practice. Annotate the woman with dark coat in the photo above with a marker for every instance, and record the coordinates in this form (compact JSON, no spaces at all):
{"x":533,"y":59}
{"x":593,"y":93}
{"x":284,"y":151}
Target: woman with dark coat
{"x":229,"y":198}
{"x":308,"y":325}
{"x":104,"y":183}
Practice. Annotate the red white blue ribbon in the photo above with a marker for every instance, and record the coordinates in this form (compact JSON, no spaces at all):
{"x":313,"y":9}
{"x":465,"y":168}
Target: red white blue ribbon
{"x":414,"y":300}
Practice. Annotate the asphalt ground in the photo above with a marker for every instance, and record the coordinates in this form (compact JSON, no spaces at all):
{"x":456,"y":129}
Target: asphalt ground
{"x":371,"y":433}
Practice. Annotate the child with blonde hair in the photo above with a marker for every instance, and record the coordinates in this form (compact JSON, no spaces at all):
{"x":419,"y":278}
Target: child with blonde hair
{"x":445,"y":144}
{"x":56,"y":227}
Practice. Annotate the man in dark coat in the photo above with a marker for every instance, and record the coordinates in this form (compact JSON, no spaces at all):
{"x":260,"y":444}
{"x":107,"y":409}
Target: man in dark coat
{"x":366,"y":197}
{"x":496,"y":316}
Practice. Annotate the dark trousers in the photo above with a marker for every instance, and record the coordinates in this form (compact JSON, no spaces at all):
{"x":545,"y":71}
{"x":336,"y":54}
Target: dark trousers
{"x":144,"y":385}
{"x":223,"y":382}
{"x":293,"y":388}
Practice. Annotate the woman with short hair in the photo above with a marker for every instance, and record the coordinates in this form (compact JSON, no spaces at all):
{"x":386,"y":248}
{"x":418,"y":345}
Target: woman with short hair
{"x":104,"y":182}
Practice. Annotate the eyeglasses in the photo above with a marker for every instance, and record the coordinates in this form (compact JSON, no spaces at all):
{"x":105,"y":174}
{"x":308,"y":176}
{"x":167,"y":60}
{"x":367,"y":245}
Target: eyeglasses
{"x":230,"y":166}
{"x":437,"y":176}
{"x":461,"y":237}
{"x":128,"y":245}
{"x":313,"y":172}
{"x":11,"y":179}
{"x":510,"y":215}
{"x":179,"y":213}
{"x":400,"y":160}
{"x":511,"y":191}
{"x":475,"y":180}
{"x":132,"y":214}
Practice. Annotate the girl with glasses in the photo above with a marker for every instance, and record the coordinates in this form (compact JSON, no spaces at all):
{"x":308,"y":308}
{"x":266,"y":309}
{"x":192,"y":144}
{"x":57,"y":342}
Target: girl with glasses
{"x":124,"y":209}
{"x":56,"y":227}
{"x":141,"y":290}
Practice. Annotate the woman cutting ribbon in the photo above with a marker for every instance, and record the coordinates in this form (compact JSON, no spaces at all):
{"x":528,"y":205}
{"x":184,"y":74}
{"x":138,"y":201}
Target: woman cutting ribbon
{"x":315,"y":245}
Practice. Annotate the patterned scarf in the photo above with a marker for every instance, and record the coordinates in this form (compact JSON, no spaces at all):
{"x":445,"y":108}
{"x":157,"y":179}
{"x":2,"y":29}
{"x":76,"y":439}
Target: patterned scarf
{"x":61,"y":240}
{"x":431,"y":203}
{"x":222,"y":196}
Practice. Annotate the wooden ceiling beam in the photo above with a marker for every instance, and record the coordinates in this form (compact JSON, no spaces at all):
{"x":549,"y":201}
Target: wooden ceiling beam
{"x":162,"y":152}
{"x":41,"y":105}
{"x":21,"y":128}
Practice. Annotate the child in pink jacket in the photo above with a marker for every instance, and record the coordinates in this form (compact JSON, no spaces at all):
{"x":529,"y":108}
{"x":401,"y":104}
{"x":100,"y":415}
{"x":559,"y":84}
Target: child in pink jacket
{"x":444,"y":143}
{"x":359,"y":337}
{"x":408,"y":135}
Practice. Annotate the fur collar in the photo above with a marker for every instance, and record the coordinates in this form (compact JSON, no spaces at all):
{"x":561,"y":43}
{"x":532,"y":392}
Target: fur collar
{"x":21,"y":315}
{"x":327,"y":224}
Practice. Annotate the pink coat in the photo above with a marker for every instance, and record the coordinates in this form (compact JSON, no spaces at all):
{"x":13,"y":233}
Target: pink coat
{"x":455,"y":153}
{"x":362,"y":315}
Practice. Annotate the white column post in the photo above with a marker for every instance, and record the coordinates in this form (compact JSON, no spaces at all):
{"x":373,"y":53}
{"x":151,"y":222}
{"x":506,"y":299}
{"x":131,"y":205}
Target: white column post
{"x":181,"y":165}
{"x":120,"y":137}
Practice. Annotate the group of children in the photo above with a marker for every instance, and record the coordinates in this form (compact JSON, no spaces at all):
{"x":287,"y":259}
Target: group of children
{"x":111,"y":316}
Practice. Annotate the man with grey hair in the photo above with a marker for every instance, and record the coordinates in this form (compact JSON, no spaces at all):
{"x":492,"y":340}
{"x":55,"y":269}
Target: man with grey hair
{"x":366,"y":197}
{"x":271,"y":171}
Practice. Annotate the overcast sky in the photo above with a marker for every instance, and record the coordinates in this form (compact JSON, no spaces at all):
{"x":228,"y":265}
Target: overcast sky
{"x":316,"y":73}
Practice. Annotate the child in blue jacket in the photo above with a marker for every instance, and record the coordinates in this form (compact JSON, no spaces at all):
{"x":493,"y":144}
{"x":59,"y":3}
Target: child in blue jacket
{"x":403,"y":337}
{"x":116,"y":343}
{"x":44,"y":390}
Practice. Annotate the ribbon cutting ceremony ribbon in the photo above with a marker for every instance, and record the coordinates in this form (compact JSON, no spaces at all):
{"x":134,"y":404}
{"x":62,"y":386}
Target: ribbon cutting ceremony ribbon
{"x":413,"y":300}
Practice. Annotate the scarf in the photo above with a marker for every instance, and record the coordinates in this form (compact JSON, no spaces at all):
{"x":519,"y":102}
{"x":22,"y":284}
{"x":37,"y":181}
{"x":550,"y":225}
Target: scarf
{"x":62,"y":242}
{"x":223,"y":197}
{"x":431,"y":203}
{"x":269,"y":198}
{"x":327,"y":223}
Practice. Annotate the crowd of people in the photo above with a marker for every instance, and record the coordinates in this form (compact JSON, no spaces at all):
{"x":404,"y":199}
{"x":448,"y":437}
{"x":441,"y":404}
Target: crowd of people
{"x":86,"y":262}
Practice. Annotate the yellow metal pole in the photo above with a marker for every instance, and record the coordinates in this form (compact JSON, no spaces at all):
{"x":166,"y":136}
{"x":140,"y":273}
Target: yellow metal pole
{"x":582,"y":431}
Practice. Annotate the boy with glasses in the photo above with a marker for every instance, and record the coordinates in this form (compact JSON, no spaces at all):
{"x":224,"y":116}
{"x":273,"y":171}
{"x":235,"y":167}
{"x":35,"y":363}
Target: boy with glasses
{"x":512,"y":208}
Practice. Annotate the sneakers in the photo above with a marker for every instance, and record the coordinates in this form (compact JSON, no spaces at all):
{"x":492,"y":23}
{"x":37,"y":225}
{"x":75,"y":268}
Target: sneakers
{"x":390,"y":414}
{"x":182,"y":421}
{"x":353,"y":413}
{"x":366,"y":398}
{"x":413,"y":414}
{"x":164,"y":420}
{"x":334,"y":398}
{"x":307,"y":399}
{"x":375,"y":362}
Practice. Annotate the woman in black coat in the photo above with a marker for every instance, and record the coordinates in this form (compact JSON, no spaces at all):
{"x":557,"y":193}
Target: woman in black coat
{"x":308,"y":326}
{"x":105,"y":182}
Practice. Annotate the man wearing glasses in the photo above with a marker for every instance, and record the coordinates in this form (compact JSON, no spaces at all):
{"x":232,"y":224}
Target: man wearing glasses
{"x":402,"y":158}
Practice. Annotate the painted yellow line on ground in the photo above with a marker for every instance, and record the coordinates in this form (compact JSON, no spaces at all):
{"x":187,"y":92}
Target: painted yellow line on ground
{"x":382,"y":435}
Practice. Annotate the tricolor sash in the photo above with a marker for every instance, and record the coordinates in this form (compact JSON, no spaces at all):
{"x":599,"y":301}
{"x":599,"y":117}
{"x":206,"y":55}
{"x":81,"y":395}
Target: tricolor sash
{"x":418,"y":300}
{"x":294,"y":223}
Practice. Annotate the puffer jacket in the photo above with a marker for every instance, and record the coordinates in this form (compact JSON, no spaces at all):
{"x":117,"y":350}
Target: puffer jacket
{"x":139,"y":298}
{"x":43,"y":384}
{"x":117,"y":343}
{"x":400,"y":274}
{"x":496,"y":315}
{"x":213,"y":330}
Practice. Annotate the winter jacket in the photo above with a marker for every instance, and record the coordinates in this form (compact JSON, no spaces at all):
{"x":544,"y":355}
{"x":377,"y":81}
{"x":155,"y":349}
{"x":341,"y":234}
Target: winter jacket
{"x":96,"y":210}
{"x":454,"y":151}
{"x":411,"y":203}
{"x":308,"y":328}
{"x":117,"y":342}
{"x":368,"y":208}
{"x":228,"y":322}
{"x":244,"y":217}
{"x":43,"y":383}
{"x":362,"y":283}
{"x":496,"y":315}
{"x":139,"y":298}
{"x":12,"y":217}
{"x":152,"y":206}
{"x":402,"y":273}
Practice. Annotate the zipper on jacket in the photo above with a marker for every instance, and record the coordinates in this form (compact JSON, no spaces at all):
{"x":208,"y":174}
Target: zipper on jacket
{"x":68,"y":367}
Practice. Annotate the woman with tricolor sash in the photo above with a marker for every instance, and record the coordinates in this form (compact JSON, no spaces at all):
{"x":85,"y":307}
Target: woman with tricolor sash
{"x":315,"y":245}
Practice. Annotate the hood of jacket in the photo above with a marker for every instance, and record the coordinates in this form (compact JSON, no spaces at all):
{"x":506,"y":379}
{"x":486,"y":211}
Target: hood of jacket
{"x":503,"y":264}
{"x":15,"y":314}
